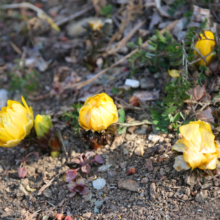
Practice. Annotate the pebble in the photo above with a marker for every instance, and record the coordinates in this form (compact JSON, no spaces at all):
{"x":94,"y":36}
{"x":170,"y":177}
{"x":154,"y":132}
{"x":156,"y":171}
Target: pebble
{"x":152,"y":191}
{"x":87,"y":215}
{"x":149,"y":165}
{"x":133,"y":83}
{"x":1,"y":169}
{"x":131,"y":185}
{"x":162,"y":173}
{"x":125,"y":151}
{"x":47,"y":193}
{"x":160,"y":149}
{"x":87,"y":197}
{"x":98,"y":204}
{"x":96,"y":210}
{"x":139,"y":151}
{"x":147,"y":83}
{"x":144,"y":180}
{"x":201,"y":196}
{"x":104,"y":167}
{"x":3,"y":97}
{"x":123,"y":164}
{"x":99,"y":183}
{"x":154,"y":137}
{"x":117,"y":142}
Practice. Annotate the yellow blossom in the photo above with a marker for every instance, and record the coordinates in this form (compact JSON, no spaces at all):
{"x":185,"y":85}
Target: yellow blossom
{"x":174,"y":73}
{"x":97,"y":113}
{"x":95,"y":25}
{"x":16,"y":122}
{"x":205,"y":45}
{"x":198,"y":147}
{"x":42,"y":124}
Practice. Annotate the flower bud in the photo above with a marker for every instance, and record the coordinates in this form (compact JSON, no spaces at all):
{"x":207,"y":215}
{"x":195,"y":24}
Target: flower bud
{"x":42,"y":125}
{"x":205,"y":45}
{"x":97,"y":113}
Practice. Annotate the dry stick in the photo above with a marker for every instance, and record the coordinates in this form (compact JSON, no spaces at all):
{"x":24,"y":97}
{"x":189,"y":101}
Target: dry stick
{"x":76,"y":15}
{"x":124,"y":40}
{"x":145,"y":44}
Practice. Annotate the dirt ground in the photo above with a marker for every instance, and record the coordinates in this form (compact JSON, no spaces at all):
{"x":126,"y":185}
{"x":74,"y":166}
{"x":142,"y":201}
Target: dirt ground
{"x":155,"y":191}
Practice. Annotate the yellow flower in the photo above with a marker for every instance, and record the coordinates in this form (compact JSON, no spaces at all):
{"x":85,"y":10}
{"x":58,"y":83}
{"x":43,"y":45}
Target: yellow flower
{"x":42,"y":124}
{"x":198,"y":147}
{"x":174,"y":73}
{"x":97,"y":113}
{"x":16,"y":122}
{"x":95,"y":25}
{"x":205,"y":46}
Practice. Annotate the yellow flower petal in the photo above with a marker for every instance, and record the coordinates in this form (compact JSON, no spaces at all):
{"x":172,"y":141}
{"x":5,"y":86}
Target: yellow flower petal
{"x":180,"y":145}
{"x":174,"y":73}
{"x":202,"y":125}
{"x":16,"y":122}
{"x":211,"y":161}
{"x":181,"y":164}
{"x":188,"y":131}
{"x":208,"y":142}
{"x":194,"y":158}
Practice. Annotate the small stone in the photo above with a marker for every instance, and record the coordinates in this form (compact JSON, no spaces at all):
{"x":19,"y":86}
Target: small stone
{"x":125,"y":151}
{"x":201,"y":196}
{"x":99,"y":183}
{"x":128,"y":184}
{"x":123,"y":164}
{"x":96,"y":210}
{"x":154,"y":138}
{"x":147,"y":83}
{"x":133,"y":83}
{"x":139,"y":151}
{"x":190,"y":180}
{"x":207,"y":184}
{"x":160,"y":149}
{"x":87,"y":197}
{"x":47,"y":193}
{"x":1,"y":169}
{"x":149,"y":165}
{"x":184,"y":197}
{"x":98,"y":204}
{"x":117,"y":142}
{"x":144,"y":180}
{"x":87,"y":215}
{"x":104,"y":167}
{"x":152,"y":191}
{"x":162,"y":173}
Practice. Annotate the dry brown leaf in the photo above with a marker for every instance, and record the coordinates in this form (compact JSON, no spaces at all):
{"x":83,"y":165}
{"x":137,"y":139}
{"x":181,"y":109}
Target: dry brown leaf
{"x":205,"y":115}
{"x":147,"y":95}
{"x":199,"y":92}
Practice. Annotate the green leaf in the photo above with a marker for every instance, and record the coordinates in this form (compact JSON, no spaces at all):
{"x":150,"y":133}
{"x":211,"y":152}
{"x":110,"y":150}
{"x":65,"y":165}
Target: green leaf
{"x":121,"y":113}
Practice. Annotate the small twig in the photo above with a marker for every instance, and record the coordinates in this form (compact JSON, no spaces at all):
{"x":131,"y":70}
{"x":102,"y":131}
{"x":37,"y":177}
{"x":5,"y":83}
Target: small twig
{"x":49,"y":183}
{"x":74,"y":16}
{"x":135,"y":123}
{"x":123,"y":41}
{"x":145,"y":44}
{"x":40,"y":13}
{"x":62,"y":142}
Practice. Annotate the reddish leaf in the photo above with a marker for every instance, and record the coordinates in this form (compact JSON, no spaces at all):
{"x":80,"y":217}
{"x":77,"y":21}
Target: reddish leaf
{"x":59,"y":216}
{"x":22,"y":172}
{"x":86,"y":168}
{"x":68,"y":218}
{"x":134,"y":101}
{"x":84,"y":191}
{"x":131,"y":171}
{"x":70,"y":175}
{"x":99,"y":159}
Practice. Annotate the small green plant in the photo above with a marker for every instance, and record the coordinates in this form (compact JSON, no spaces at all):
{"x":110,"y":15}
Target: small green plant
{"x":25,"y":83}
{"x":73,"y":117}
{"x":106,"y":10}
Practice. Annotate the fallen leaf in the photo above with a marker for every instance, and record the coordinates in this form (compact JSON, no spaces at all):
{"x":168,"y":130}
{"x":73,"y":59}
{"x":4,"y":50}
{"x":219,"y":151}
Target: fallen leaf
{"x":131,"y":171}
{"x":199,"y":92}
{"x":205,"y":115}
{"x":147,"y":95}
